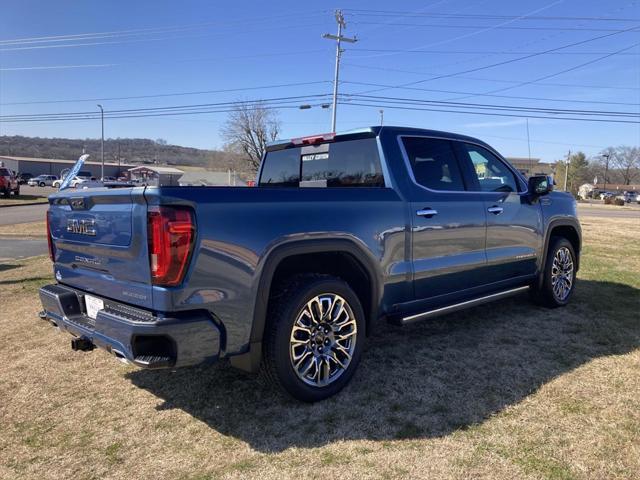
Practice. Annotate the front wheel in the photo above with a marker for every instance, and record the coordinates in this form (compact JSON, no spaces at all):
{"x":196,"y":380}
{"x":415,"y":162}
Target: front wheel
{"x":314,"y":337}
{"x":559,"y":276}
{"x":41,"y":184}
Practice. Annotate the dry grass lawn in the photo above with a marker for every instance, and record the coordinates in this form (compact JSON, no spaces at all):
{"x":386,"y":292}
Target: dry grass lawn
{"x":27,"y":230}
{"x":502,"y":391}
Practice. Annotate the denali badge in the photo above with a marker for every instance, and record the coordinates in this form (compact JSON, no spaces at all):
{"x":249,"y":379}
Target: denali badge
{"x":82,"y":226}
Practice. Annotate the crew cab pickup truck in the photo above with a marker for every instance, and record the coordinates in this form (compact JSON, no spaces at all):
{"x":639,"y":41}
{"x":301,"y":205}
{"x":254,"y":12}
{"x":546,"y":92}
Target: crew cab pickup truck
{"x":8,"y":183}
{"x":291,"y":276}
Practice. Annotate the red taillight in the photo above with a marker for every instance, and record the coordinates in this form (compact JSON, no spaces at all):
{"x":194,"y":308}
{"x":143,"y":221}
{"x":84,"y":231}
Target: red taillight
{"x":170,"y":234}
{"x":49,"y":239}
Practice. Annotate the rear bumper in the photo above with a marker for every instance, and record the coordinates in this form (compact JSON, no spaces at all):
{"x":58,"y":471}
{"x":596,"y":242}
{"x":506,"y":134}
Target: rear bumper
{"x":146,"y":339}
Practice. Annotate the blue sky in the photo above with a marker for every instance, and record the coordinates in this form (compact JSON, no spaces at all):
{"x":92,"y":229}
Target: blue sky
{"x":222,"y":45}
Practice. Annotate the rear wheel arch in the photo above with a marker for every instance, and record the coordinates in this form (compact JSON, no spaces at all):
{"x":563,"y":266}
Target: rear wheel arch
{"x":311,"y":256}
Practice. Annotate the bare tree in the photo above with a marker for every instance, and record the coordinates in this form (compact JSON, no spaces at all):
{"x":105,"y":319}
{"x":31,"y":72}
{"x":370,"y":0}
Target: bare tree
{"x":626,"y":161}
{"x":248,"y":129}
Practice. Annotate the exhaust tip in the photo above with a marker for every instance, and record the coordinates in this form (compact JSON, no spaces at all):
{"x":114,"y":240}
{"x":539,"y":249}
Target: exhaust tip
{"x":82,"y":344}
{"x":42,"y":314}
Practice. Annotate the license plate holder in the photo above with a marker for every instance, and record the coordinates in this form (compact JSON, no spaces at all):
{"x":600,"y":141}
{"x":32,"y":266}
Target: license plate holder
{"x":94,"y":305}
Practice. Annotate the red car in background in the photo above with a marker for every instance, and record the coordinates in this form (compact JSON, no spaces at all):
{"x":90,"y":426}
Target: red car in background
{"x":8,"y":182}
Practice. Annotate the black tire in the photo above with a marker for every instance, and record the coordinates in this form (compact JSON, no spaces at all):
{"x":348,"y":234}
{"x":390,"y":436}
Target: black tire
{"x":285,"y":306}
{"x":545,"y":294}
{"x":16,"y":192}
{"x":6,"y":193}
{"x":41,"y":184}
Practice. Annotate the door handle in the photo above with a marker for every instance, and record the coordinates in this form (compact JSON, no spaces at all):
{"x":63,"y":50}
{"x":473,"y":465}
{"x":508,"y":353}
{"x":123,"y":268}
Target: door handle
{"x":427,"y":212}
{"x":495,"y":210}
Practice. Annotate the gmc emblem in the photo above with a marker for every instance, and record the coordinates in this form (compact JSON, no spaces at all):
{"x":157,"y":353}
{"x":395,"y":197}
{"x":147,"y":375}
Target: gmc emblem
{"x":82,"y":226}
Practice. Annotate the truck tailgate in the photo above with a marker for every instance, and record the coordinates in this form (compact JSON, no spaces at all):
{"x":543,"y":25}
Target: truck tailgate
{"x":100,"y":242}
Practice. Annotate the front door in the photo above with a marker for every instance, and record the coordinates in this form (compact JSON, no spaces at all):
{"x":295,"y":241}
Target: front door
{"x":514,"y":222}
{"x":448,"y":222}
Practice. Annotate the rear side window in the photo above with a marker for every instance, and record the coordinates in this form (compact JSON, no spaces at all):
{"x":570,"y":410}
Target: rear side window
{"x":281,"y":168}
{"x":350,"y":163}
{"x":434,"y":163}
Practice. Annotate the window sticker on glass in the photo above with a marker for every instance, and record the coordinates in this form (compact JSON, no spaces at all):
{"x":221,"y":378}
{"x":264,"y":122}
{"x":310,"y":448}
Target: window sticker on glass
{"x":315,"y":156}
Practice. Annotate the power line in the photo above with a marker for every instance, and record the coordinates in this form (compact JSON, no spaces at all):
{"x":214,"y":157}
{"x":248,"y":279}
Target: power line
{"x":479,"y":52}
{"x":483,"y":29}
{"x":414,"y":101}
{"x":174,"y":37}
{"x":566,"y":70}
{"x":398,"y":107}
{"x":147,"y":31}
{"x":137,"y":64}
{"x":355,"y":11}
{"x":479,"y":94}
{"x":189,"y":107}
{"x":497,"y":80}
{"x":498,"y":27}
{"x":159,"y":95}
{"x":512,"y":60}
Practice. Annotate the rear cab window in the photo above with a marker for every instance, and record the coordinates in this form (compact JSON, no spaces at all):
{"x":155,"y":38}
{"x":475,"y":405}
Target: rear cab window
{"x":344,"y":163}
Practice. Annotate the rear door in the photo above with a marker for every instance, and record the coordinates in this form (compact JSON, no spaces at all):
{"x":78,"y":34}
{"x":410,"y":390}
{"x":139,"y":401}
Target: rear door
{"x":514,"y":223}
{"x":448,"y":222}
{"x":100,"y":243}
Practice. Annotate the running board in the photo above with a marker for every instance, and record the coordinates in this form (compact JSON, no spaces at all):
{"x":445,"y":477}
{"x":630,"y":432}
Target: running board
{"x":461,"y":306}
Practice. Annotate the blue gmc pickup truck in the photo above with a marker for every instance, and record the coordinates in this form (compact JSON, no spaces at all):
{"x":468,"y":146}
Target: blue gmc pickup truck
{"x":291,"y":276}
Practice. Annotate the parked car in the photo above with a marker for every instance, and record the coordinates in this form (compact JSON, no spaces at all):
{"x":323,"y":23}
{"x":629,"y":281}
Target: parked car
{"x":42,"y":181}
{"x":23,"y":178}
{"x":8,"y":182}
{"x":291,"y":276}
{"x":605,"y":195}
{"x":78,"y":179}
{"x":630,"y":196}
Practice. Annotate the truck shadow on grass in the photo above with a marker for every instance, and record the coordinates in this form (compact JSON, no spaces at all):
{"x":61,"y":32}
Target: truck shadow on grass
{"x":424,"y":380}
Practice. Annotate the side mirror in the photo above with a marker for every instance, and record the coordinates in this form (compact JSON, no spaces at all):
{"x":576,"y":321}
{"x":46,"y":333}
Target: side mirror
{"x":540,"y":185}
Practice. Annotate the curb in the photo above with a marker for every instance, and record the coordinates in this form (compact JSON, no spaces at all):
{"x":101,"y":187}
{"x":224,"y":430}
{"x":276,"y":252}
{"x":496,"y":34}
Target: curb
{"x":24,"y":204}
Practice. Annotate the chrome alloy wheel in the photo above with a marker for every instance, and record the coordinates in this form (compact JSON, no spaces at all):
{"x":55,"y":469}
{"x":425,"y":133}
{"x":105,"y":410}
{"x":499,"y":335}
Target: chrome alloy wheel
{"x":562,"y":273}
{"x":323,"y":340}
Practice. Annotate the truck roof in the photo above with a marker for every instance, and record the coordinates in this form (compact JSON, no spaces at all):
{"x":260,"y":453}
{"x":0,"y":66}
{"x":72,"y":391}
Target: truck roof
{"x":371,"y":131}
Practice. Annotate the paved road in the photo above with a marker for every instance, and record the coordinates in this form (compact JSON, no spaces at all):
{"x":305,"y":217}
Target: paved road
{"x":22,"y":214}
{"x":601,"y":211}
{"x":13,"y":249}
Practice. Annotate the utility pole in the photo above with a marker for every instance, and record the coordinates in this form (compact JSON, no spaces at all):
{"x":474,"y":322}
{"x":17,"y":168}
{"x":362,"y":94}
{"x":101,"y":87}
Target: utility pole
{"x":529,"y":147}
{"x":102,"y":141}
{"x":338,"y":38}
{"x":381,"y":117}
{"x":606,"y":170}
{"x":566,"y":170}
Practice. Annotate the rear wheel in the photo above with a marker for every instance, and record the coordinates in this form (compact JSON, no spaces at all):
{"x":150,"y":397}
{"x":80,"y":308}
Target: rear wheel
{"x":6,"y":193}
{"x":314,"y":337}
{"x":559,"y":276}
{"x":16,"y":192}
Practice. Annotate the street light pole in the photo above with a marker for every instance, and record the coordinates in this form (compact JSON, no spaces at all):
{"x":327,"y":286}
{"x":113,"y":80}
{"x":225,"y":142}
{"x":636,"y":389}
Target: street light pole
{"x":338,"y":38}
{"x":102,"y":141}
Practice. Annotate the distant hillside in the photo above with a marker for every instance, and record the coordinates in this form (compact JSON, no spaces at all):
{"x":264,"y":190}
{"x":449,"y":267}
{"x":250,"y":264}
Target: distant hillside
{"x":132,"y":150}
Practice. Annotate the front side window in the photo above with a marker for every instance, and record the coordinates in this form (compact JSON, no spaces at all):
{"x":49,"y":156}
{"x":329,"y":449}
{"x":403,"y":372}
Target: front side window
{"x":492,"y":173}
{"x":434,"y":163}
